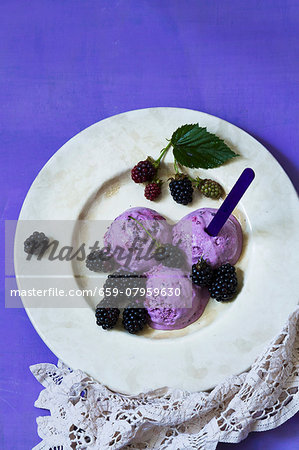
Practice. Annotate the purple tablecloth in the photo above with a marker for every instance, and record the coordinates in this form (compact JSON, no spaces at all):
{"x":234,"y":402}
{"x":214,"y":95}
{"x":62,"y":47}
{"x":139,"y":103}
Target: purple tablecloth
{"x":68,"y":64}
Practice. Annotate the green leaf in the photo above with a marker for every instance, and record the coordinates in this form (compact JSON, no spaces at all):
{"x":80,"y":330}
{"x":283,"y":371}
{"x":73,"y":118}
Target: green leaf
{"x":194,"y":147}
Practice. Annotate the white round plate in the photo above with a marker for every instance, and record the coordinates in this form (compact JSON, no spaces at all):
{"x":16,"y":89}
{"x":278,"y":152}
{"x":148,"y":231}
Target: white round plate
{"x":89,"y":178}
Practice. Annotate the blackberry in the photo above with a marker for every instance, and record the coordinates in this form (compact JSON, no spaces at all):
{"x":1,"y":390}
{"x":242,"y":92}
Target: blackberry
{"x":123,"y":286}
{"x":134,"y":318}
{"x":210,"y":188}
{"x":99,"y":261}
{"x":170,"y":256}
{"x":106,"y":316}
{"x":181,"y":189}
{"x":202,"y":273}
{"x":152,"y":191}
{"x":143,"y":171}
{"x":224,"y":283}
{"x":36,"y":243}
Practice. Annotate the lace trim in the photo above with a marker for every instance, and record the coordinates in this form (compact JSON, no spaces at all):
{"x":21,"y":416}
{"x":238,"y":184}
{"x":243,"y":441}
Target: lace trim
{"x":87,"y":415}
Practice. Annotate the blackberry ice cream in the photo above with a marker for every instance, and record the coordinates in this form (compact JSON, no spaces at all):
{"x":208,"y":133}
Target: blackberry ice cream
{"x":131,"y":244}
{"x":172,"y":301}
{"x":189,"y":234}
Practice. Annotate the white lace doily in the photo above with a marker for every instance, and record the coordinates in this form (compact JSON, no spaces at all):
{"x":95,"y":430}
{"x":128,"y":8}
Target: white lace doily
{"x":87,"y":415}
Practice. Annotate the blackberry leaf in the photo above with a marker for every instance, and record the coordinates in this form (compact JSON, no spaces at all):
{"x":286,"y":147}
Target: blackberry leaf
{"x":194,"y":147}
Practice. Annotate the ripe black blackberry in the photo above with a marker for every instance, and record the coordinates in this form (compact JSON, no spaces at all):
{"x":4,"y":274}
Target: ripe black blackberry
{"x":181,"y":189}
{"x":123,"y":286}
{"x":99,"y":261}
{"x":210,"y":188}
{"x":224,"y":284}
{"x":144,"y":171}
{"x":106,"y":315}
{"x":152,"y":191}
{"x":170,"y":256}
{"x":134,"y":318}
{"x":202,"y":273}
{"x":36,"y":243}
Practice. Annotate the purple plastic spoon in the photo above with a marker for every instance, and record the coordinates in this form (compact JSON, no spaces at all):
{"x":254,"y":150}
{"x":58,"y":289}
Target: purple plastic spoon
{"x":230,"y":202}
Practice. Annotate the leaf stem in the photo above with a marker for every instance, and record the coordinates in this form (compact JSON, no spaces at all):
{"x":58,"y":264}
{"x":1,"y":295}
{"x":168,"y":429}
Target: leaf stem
{"x":162,"y":153}
{"x":142,"y":226}
{"x":175,"y":165}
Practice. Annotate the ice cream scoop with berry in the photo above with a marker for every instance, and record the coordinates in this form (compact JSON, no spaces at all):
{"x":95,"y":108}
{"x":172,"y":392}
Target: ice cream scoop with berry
{"x":131,"y":245}
{"x":172,"y":301}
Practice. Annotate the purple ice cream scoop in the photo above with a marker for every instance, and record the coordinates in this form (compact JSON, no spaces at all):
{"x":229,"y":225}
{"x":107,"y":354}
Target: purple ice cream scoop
{"x":172,"y":301}
{"x":131,"y":245}
{"x":189,"y":234}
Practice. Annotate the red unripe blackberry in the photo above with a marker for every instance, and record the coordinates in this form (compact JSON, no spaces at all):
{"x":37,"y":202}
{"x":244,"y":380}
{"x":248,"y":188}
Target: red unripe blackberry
{"x":143,"y":171}
{"x":152,"y":191}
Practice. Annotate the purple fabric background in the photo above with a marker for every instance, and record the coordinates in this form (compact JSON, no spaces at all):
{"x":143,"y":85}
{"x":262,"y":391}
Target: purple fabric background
{"x":68,"y":64}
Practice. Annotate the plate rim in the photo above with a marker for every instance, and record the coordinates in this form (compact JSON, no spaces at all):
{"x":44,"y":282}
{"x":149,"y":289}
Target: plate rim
{"x":50,"y":161}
